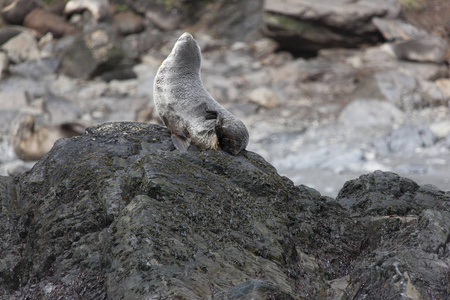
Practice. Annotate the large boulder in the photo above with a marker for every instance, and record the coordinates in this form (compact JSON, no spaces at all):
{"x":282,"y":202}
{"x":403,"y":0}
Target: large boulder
{"x":309,"y":25}
{"x":118,"y":213}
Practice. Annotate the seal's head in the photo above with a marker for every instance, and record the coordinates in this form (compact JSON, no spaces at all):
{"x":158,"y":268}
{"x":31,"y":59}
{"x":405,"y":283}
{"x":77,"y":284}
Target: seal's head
{"x":186,"y":53}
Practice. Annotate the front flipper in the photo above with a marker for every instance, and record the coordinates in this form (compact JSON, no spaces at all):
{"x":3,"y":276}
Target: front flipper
{"x":180,"y":137}
{"x":180,"y":142}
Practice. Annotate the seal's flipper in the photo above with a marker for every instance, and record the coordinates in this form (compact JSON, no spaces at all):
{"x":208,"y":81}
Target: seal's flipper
{"x":180,"y":142}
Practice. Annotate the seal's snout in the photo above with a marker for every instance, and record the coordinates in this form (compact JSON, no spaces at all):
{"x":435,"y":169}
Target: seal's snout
{"x":186,"y":36}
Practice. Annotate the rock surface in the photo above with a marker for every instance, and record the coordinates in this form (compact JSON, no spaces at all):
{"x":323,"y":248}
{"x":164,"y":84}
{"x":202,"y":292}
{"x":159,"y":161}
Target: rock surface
{"x":117,"y":213}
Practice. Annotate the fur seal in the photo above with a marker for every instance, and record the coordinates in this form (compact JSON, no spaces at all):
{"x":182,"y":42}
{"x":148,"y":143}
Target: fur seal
{"x":31,"y":141}
{"x":188,"y":110}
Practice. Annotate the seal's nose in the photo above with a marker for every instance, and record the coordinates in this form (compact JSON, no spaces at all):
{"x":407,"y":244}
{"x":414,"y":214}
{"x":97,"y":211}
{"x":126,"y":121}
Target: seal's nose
{"x":186,"y":36}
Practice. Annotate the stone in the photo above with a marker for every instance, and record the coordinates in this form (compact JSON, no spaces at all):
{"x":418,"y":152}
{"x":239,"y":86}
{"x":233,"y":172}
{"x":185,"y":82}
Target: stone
{"x":98,"y":8}
{"x":43,"y":22}
{"x":369,"y":112}
{"x":407,"y":139}
{"x":90,"y":54}
{"x":12,"y":100}
{"x":444,"y":86}
{"x":264,"y":97}
{"x":128,"y":23}
{"x":7,"y":33}
{"x":232,"y":20}
{"x":16,"y":12}
{"x":308,"y":26}
{"x":424,"y":49}
{"x":393,"y":30}
{"x":4,"y":63}
{"x":22,"y":47}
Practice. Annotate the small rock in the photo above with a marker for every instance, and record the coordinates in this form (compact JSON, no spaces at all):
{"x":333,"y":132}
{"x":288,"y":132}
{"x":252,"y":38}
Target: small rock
{"x":441,"y":129}
{"x":264,"y":97}
{"x":407,"y":139}
{"x":98,"y":8}
{"x":22,"y":47}
{"x":444,"y":86}
{"x":44,"y":22}
{"x":367,"y":112}
{"x":4,"y":62}
{"x":128,"y":23}
{"x":89,"y":55}
{"x":425,"y":49}
{"x":12,"y":100}
{"x":392,"y":29}
{"x":7,"y":33}
{"x":16,"y":12}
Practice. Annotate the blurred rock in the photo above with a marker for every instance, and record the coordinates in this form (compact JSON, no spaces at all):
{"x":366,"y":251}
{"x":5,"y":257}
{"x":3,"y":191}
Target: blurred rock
{"x":128,"y":23}
{"x":396,"y":30}
{"x":232,"y":20}
{"x":16,"y":12}
{"x":98,"y":8}
{"x":264,"y":97}
{"x":12,"y":100}
{"x":425,"y":49}
{"x":368,"y":112}
{"x":4,"y":63}
{"x":444,"y":86}
{"x":22,"y":47}
{"x":43,"y":22}
{"x":9,"y":32}
{"x":90,"y":54}
{"x":308,"y":26}
{"x":407,"y":139}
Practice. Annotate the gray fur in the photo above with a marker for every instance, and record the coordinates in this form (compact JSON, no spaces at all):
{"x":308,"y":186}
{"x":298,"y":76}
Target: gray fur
{"x":188,"y":110}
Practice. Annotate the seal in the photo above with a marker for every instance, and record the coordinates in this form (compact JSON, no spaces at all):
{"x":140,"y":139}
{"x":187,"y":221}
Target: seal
{"x":31,"y":141}
{"x":188,"y":110}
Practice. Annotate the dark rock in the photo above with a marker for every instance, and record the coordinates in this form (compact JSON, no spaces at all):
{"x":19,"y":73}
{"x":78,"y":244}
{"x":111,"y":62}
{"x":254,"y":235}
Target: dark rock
{"x":43,"y":22}
{"x":90,"y":54}
{"x":120,"y":74}
{"x":252,"y":289}
{"x":118,"y":213}
{"x":16,"y":12}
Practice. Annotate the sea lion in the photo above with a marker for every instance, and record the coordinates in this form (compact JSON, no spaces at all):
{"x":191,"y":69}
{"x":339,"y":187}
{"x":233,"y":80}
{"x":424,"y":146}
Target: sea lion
{"x":31,"y":141}
{"x":188,"y":110}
